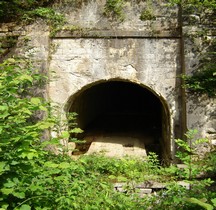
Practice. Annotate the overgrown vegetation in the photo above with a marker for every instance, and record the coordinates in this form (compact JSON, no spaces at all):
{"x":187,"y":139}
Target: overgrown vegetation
{"x":147,"y":15}
{"x":203,"y":79}
{"x":6,"y":43}
{"x":33,"y":177}
{"x":26,"y":11}
{"x":54,"y":19}
{"x":114,"y":9}
{"x":15,"y":9}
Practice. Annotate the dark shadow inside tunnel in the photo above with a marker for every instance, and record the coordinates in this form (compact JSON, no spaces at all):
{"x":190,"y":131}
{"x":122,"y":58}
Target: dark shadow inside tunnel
{"x":121,"y":109}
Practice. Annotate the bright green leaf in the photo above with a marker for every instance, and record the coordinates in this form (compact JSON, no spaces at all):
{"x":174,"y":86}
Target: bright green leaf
{"x":64,"y":165}
{"x":51,"y":164}
{"x":200,"y":203}
{"x":19,"y":194}
{"x":214,"y":202}
{"x":25,"y":207}
{"x":26,"y":77}
{"x":3,"y":166}
{"x":65,"y":134}
{"x":3,"y":108}
{"x":45,"y":125}
{"x":7,"y":191}
{"x":27,"y":111}
{"x":35,"y":101}
{"x":9,"y":184}
{"x":43,"y":108}
{"x":14,"y":162}
{"x":76,"y":130}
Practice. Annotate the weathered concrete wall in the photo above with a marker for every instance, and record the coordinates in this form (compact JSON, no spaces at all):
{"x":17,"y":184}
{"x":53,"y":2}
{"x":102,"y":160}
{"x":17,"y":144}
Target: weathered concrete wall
{"x":94,"y":48}
{"x":79,"y":62}
{"x":201,"y":109}
{"x":90,"y":15}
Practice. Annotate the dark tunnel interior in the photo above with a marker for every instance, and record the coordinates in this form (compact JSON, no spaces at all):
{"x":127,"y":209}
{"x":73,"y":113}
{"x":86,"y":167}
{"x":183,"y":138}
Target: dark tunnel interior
{"x":122,"y":109}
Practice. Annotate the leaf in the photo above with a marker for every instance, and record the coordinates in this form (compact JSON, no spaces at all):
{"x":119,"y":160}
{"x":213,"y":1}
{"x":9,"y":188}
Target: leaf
{"x":45,"y":125}
{"x":25,"y":207}
{"x":3,"y":166}
{"x":38,"y":188}
{"x":19,"y":194}
{"x":4,"y":206}
{"x":76,"y":130}
{"x":65,"y":134}
{"x":64,"y":165}
{"x":10,"y":60}
{"x":9,"y":184}
{"x":51,"y":164}
{"x":122,"y":179}
{"x":26,"y":77}
{"x":214,"y":201}
{"x":14,"y":162}
{"x":27,"y":111}
{"x":7,"y":191}
{"x":4,"y":115}
{"x":112,"y":177}
{"x":200,"y":203}
{"x":43,"y":108}
{"x":35,"y":101}
{"x":3,"y":108}
{"x":30,"y":154}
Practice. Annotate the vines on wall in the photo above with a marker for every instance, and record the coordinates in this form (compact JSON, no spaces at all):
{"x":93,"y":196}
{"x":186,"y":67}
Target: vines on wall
{"x":201,"y":15}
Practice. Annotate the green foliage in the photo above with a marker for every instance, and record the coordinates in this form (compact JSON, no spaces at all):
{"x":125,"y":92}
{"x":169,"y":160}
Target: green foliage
{"x":203,"y":79}
{"x":28,"y":10}
{"x":6,"y":43}
{"x":197,"y":193}
{"x":210,"y":160}
{"x":210,"y":4}
{"x":124,"y":169}
{"x":187,"y":153}
{"x":54,"y":19}
{"x":34,"y":178}
{"x":14,"y":9}
{"x":114,"y":8}
{"x":202,"y":203}
{"x":147,"y":15}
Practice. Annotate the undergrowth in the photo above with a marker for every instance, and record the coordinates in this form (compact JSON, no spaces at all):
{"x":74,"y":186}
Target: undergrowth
{"x":33,"y":177}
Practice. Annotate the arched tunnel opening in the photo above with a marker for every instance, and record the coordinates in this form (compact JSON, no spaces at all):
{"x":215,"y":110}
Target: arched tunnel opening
{"x":121,"y":118}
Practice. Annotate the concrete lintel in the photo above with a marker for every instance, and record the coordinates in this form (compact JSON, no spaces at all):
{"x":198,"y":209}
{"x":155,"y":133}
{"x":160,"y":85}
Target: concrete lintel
{"x":87,"y":33}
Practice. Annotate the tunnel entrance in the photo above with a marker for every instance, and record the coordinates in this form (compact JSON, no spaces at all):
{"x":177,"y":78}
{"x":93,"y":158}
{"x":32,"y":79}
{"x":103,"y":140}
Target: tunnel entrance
{"x":121,"y":118}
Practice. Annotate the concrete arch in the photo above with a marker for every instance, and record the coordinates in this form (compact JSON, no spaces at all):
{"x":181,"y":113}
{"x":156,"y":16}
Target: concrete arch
{"x":125,"y":110}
